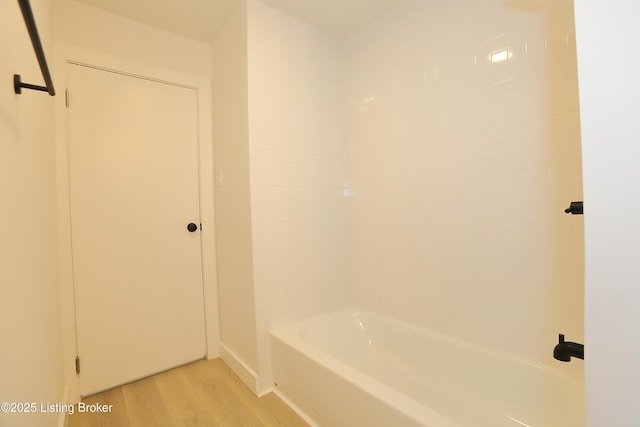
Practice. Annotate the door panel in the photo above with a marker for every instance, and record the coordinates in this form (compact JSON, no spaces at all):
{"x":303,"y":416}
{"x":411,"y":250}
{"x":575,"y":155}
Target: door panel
{"x":133,"y":167}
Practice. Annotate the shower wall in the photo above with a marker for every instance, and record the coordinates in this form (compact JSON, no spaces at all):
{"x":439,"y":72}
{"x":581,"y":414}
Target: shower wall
{"x":297,"y":153}
{"x":281,"y":214}
{"x":464,"y":151}
{"x":419,"y":168}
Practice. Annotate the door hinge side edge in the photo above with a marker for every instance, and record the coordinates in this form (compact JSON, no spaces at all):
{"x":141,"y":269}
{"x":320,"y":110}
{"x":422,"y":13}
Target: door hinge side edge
{"x":66,"y":98}
{"x":77,"y":365}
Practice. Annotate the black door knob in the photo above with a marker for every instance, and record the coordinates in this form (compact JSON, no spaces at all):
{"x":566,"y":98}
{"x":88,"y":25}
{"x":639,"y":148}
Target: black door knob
{"x":192,"y":227}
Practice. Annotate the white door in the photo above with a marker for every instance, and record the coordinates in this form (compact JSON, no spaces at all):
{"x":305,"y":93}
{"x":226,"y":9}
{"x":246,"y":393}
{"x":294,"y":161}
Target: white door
{"x":133,"y":166}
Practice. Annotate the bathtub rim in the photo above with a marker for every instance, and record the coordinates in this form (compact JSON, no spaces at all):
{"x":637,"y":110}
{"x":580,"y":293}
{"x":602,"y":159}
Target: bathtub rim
{"x":293,"y":329}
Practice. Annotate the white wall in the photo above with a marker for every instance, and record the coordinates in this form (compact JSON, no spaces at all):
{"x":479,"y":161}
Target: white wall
{"x":610,"y":102}
{"x":298,"y":171}
{"x":93,"y":29}
{"x":31,"y":356}
{"x":461,"y":170}
{"x":233,"y":211}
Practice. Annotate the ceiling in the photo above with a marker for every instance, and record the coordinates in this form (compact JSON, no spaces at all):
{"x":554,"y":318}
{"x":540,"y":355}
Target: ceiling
{"x":200,"y":19}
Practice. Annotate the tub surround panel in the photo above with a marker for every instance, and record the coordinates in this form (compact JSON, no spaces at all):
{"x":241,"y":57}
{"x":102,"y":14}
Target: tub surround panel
{"x":419,"y":168}
{"x":298,"y":163}
{"x":461,"y":167}
{"x":280,"y":172}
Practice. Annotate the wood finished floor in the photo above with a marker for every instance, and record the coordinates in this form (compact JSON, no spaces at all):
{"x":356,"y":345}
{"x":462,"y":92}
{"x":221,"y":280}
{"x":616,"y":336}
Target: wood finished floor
{"x":203,"y":393}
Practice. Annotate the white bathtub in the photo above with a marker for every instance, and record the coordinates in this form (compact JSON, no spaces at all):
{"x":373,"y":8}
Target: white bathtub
{"x":356,"y":369}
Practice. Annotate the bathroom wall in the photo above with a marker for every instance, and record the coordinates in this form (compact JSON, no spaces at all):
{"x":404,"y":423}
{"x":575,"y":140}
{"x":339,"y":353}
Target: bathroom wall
{"x":610,"y":101}
{"x":462,"y":167}
{"x":299,"y":185}
{"x":233,"y":209}
{"x":87,"y":27}
{"x":31,"y":357}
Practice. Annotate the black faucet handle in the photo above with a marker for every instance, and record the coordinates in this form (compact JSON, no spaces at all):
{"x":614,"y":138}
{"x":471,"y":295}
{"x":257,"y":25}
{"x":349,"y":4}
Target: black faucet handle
{"x":575,"y":208}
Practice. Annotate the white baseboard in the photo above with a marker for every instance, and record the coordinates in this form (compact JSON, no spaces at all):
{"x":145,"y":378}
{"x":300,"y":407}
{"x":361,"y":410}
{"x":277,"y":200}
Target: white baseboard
{"x":237,"y":365}
{"x":63,"y":417}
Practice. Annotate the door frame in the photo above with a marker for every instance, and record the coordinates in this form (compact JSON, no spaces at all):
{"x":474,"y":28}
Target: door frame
{"x":65,"y":54}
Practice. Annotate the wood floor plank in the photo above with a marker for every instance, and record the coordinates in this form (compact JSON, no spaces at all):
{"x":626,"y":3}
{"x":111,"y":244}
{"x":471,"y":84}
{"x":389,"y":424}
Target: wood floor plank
{"x":205,"y":393}
{"x":251,"y":402}
{"x":186,"y":407}
{"x":208,"y":379}
{"x":116,"y":417}
{"x":145,"y":406}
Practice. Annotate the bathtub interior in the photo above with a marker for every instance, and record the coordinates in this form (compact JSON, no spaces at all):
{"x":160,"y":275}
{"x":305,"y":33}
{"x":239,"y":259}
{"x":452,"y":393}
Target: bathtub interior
{"x":466,"y":383}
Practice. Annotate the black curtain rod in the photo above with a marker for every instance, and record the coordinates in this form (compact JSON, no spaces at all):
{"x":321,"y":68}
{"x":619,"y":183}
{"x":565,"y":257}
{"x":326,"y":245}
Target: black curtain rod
{"x":30,"y":21}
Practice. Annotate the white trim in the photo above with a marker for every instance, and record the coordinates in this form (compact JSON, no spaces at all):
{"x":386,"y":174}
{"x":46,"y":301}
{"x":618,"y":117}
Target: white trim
{"x":295,"y":407}
{"x":63,"y":417}
{"x":241,"y":369}
{"x":64,"y":54}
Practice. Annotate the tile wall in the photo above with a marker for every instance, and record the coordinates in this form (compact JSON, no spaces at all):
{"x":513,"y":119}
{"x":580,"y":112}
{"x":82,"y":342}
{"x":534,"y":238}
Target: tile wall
{"x":298,"y":168}
{"x":419,"y":168}
{"x":464,"y":151}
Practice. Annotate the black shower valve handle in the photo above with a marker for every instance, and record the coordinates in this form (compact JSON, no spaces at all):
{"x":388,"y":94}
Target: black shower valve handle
{"x":576,"y":208}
